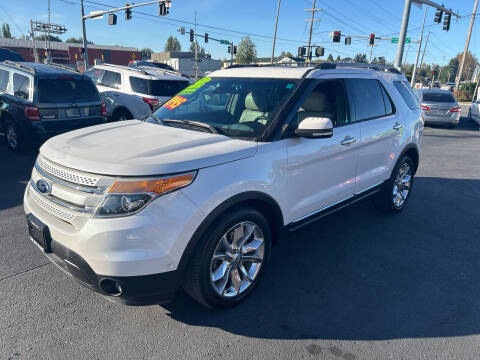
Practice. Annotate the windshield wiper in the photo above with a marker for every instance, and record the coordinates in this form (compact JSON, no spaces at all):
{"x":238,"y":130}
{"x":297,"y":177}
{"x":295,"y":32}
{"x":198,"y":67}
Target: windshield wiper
{"x":192,"y":123}
{"x":156,"y":118}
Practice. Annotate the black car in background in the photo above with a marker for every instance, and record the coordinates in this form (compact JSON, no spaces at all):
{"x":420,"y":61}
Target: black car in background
{"x":38,"y":101}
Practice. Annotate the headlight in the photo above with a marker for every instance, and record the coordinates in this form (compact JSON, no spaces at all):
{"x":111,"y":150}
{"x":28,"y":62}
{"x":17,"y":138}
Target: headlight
{"x":127,"y":197}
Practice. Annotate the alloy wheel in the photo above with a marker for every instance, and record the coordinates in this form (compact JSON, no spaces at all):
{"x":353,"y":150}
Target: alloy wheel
{"x":237,"y":259}
{"x":12,"y":138}
{"x":401,"y":185}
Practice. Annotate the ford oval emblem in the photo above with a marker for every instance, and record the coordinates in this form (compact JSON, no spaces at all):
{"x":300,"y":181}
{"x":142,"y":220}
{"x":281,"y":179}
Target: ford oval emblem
{"x":43,"y":187}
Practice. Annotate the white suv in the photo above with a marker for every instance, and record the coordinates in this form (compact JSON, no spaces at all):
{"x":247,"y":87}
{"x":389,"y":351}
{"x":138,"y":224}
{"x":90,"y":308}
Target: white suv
{"x":196,"y":194}
{"x":133,"y":93}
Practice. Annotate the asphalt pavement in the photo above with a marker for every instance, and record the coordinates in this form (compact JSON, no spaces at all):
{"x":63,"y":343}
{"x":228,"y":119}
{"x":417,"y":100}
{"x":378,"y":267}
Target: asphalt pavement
{"x":354,"y":285}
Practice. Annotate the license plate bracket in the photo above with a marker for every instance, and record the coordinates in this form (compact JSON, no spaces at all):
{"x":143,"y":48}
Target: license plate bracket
{"x":72,"y":112}
{"x":40,"y":233}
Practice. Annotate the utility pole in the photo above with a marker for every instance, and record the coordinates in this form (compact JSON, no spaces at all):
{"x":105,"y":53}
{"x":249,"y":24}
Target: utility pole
{"x":195,"y":43}
{"x":424,"y":49}
{"x":312,"y":20}
{"x":48,"y":34}
{"x":371,"y":51}
{"x":275,"y":32}
{"x":460,"y":71}
{"x":35,"y":53}
{"x":84,"y":34}
{"x":403,"y":33}
{"x":414,"y":73}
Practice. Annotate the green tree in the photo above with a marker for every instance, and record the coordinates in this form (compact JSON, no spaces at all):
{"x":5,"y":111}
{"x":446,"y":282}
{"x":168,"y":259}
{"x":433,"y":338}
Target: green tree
{"x":338,"y":59}
{"x":200,"y":50}
{"x":52,"y":38}
{"x":286,"y":54}
{"x":381,"y":60}
{"x":146,"y":53}
{"x":173,"y":44}
{"x":330,"y":57}
{"x":6,"y":31}
{"x":246,"y":51}
{"x":360,"y":58}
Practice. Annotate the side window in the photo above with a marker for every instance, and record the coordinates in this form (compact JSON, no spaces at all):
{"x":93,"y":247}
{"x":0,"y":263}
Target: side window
{"x":389,"y":107}
{"x":21,"y":86}
{"x":367,"y":98}
{"x":111,"y":79}
{"x":328,"y":100}
{"x":95,"y":75}
{"x":407,"y":94}
{"x":4,"y":74}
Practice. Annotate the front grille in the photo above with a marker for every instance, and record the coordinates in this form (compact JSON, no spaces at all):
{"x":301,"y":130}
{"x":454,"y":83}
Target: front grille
{"x":67,"y":174}
{"x":64,"y":215}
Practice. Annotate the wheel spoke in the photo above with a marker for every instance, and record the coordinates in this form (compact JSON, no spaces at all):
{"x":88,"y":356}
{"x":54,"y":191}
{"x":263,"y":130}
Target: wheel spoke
{"x":235,"y":280}
{"x":237,"y":235}
{"x":225,"y":243}
{"x":249,"y":230}
{"x":252,"y":258}
{"x":223,"y":282}
{"x":220,"y":271}
{"x":252,"y":246}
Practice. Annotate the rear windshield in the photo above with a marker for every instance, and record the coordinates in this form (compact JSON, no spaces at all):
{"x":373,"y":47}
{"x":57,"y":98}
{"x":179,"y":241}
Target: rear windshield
{"x":62,"y":90}
{"x":157,"y":87}
{"x":438,"y":97}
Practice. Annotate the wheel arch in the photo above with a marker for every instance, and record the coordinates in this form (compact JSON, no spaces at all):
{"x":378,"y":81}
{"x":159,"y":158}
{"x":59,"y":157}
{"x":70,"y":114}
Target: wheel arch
{"x":412,"y":152}
{"x":120,"y":108}
{"x":255,"y":199}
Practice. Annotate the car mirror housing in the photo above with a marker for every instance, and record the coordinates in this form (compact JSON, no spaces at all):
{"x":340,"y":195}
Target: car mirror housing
{"x":315,"y":128}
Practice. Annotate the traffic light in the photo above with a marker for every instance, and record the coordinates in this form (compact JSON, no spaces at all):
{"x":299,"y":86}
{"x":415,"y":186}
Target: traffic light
{"x":162,"y":9}
{"x":112,"y":19}
{"x":234,"y":50}
{"x":206,"y":37}
{"x":438,"y":16}
{"x":348,"y":40}
{"x":128,"y":12}
{"x":229,"y":49}
{"x":82,"y":50}
{"x":336,"y":36}
{"x":446,"y":21}
{"x":319,"y":51}
{"x":302,"y":51}
{"x":191,"y":35}
{"x":372,"y":39}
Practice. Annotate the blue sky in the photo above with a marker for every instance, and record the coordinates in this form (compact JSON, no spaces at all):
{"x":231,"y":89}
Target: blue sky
{"x":353,"y":17}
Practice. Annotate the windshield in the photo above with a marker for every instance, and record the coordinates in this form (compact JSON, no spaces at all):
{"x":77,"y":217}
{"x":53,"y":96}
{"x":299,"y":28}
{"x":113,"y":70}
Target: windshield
{"x":66,"y":89}
{"x":236,"y":107}
{"x":438,"y":97}
{"x":157,"y":87}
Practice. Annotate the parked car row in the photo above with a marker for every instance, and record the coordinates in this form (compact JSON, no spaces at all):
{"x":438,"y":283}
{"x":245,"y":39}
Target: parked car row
{"x":38,"y":101}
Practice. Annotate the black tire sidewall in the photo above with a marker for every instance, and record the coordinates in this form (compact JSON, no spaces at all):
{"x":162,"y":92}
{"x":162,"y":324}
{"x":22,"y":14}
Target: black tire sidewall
{"x":210,"y":242}
{"x":121,"y":112}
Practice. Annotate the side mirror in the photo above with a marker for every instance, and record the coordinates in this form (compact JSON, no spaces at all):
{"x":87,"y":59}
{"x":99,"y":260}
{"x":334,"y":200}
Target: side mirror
{"x":315,"y":128}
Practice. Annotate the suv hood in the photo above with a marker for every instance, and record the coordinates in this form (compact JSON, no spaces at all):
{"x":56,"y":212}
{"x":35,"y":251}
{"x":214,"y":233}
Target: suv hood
{"x":136,"y":148}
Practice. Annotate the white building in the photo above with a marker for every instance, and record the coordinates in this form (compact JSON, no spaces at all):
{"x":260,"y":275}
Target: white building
{"x":183,"y":62}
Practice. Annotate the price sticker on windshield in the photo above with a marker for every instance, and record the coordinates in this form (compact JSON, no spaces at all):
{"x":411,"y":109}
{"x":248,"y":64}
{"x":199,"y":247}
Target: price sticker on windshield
{"x":174,"y":102}
{"x":194,"y":87}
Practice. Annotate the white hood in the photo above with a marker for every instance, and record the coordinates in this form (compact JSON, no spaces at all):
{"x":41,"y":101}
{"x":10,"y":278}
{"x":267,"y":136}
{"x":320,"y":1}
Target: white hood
{"x":136,"y":148}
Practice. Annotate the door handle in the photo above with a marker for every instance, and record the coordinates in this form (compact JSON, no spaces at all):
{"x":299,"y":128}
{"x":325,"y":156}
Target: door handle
{"x":397,"y":126}
{"x":348,"y":140}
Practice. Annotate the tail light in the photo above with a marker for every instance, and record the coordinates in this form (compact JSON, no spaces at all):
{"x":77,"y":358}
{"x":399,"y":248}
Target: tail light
{"x":151,"y":102}
{"x":32,"y":113}
{"x":425,"y":107}
{"x":104,"y":110}
{"x":456,"y":109}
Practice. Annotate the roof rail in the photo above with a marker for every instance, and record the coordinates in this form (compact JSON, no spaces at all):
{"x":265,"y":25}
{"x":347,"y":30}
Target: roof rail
{"x":65,"y":67}
{"x":125,"y":68}
{"x":333,"y":65}
{"x":19,"y":65}
{"x":156,"y":70}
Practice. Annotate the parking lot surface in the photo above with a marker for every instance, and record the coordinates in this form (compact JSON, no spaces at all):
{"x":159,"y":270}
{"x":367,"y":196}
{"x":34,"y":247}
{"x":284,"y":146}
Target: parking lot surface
{"x":355,"y":285}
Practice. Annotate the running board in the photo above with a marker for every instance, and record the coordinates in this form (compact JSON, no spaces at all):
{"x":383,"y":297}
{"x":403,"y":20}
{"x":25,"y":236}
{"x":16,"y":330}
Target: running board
{"x":334,"y":208}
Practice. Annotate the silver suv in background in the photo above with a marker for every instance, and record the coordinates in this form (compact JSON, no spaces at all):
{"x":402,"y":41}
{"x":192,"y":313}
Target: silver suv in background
{"x":439,"y":107}
{"x":133,"y":93}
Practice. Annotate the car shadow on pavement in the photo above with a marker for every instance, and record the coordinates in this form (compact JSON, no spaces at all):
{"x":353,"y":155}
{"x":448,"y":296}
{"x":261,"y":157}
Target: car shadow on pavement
{"x":361,"y":275}
{"x":15,"y":171}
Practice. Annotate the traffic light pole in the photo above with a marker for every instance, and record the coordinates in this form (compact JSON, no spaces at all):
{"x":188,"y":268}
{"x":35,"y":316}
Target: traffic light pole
{"x":414,"y":73}
{"x":84,"y":35}
{"x":472,"y":20}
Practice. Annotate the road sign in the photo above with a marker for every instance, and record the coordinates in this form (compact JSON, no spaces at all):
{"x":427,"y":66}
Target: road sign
{"x":395,"y":40}
{"x":225,"y":42}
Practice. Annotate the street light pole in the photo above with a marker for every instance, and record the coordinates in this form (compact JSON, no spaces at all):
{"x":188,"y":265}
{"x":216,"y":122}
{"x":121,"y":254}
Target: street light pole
{"x":403,"y":33}
{"x":414,"y":73}
{"x":84,"y":34}
{"x":310,"y":34}
{"x":460,"y":71}
{"x":275,"y":32}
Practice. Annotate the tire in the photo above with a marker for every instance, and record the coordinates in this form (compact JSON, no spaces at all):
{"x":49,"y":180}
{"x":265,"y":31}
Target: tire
{"x":389,"y":199}
{"x":227,"y":279}
{"x":121,"y":115}
{"x":13,"y":137}
{"x":469,"y":115}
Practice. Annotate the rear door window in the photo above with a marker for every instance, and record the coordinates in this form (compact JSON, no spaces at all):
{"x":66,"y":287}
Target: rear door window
{"x":21,"y":86}
{"x":4,"y":74}
{"x":438,"y":97}
{"x":66,"y":90}
{"x":157,"y":87}
{"x":407,"y":94}
{"x":95,"y":75}
{"x":112,"y":79}
{"x":367,"y":98}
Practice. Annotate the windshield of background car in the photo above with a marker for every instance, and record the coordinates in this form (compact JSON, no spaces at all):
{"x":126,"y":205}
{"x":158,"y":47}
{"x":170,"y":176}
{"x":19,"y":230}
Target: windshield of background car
{"x":157,"y":87}
{"x":64,"y":89}
{"x":438,"y":97}
{"x":236,"y":107}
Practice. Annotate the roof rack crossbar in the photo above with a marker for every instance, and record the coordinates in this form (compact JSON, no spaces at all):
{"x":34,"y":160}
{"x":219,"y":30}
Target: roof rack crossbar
{"x":65,"y":67}
{"x":333,"y":65}
{"x":125,"y":67}
{"x":20,"y":66}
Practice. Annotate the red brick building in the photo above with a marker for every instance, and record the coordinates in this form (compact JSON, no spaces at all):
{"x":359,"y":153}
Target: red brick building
{"x":69,"y":53}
